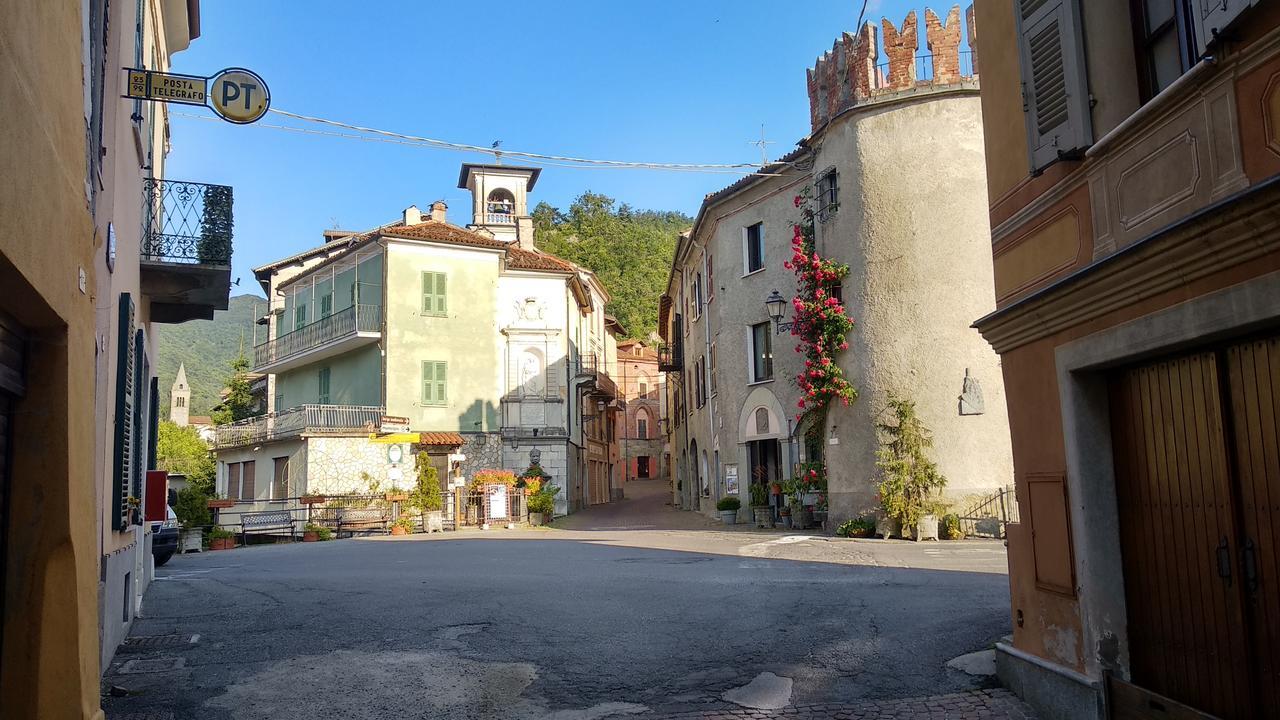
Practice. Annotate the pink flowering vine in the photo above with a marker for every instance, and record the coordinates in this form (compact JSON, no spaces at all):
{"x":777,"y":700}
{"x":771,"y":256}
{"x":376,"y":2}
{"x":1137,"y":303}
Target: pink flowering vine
{"x":820,"y":321}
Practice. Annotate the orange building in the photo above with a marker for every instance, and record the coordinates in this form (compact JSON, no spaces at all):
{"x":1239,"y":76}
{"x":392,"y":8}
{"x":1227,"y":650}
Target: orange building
{"x":641,"y":443}
{"x":1136,"y":244}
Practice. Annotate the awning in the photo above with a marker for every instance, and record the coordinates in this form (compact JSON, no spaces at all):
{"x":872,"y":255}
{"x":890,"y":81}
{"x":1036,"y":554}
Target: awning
{"x":450,"y":439}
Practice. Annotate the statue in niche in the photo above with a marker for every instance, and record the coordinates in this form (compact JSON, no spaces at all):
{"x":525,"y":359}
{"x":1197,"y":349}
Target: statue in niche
{"x":531,"y":380}
{"x":971,"y":402}
{"x":530,"y":310}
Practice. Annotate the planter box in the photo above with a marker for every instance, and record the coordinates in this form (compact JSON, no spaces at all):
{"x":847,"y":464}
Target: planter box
{"x":432,"y":521}
{"x":536,"y":519}
{"x":398,"y":530}
{"x":222,"y":544}
{"x":191,"y":540}
{"x":221,"y":504}
{"x":396,"y":497}
{"x":310,"y":536}
{"x":763,"y":517}
{"x":729,"y":517}
{"x":888,"y":527}
{"x":927,"y":528}
{"x":313,"y":499}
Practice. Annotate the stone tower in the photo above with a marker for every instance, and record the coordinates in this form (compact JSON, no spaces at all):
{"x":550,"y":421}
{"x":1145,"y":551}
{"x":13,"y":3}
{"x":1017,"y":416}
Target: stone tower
{"x":180,"y":399}
{"x":500,"y":200}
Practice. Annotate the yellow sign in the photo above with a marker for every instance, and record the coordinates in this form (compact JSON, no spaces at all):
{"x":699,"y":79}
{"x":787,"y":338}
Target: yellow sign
{"x":395,"y":438}
{"x":166,"y":87}
{"x":239,"y":95}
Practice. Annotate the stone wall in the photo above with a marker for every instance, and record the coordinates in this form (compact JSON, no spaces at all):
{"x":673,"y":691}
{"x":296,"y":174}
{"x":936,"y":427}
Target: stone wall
{"x":337,"y":465}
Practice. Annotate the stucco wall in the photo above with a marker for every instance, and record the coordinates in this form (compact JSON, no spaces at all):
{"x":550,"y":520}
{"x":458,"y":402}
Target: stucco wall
{"x":355,"y":378}
{"x":912,"y":225}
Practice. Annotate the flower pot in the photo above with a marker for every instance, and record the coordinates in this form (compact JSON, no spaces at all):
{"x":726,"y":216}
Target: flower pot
{"x":191,"y":540}
{"x":763,"y":517}
{"x":222,"y":544}
{"x":310,"y":536}
{"x":432,"y":521}
{"x":809,"y":499}
{"x":927,"y":528}
{"x":536,"y":519}
{"x":887,"y":527}
{"x":729,"y":517}
{"x":398,"y":530}
{"x":396,"y":497}
{"x":312,"y":499}
{"x":776,"y":489}
{"x":220,"y":504}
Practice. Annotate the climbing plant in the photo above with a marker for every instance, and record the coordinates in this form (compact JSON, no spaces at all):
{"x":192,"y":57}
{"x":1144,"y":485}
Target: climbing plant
{"x":820,"y":322}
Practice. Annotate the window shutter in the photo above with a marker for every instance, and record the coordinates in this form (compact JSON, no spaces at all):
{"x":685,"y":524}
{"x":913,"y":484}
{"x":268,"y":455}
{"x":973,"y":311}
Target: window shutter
{"x":247,"y":489}
{"x":233,"y":481}
{"x":441,"y":306}
{"x":324,"y":386}
{"x":1212,"y":17}
{"x":442,"y":382}
{"x":326,"y":305}
{"x":153,"y":430}
{"x":428,"y":293}
{"x":141,"y":403}
{"x":124,"y":441}
{"x":1055,"y":93}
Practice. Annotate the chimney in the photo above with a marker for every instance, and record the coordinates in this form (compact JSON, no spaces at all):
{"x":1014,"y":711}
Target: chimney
{"x":412,"y":216}
{"x":439,"y":211}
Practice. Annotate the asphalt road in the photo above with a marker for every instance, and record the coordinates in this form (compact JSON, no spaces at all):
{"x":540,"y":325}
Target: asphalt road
{"x":655,"y":615}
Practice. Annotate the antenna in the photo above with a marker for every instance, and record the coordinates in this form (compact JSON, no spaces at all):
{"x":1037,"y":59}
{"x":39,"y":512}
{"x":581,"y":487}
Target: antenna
{"x":763,"y":145}
{"x":497,"y":154}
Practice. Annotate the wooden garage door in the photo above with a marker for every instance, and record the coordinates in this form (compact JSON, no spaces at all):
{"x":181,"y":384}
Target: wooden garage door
{"x":1173,"y":488}
{"x":1254,"y":377}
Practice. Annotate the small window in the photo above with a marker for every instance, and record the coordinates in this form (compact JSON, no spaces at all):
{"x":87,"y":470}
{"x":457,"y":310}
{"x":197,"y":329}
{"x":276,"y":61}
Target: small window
{"x":828,"y":195}
{"x":233,"y":480}
{"x":433,"y":294}
{"x":181,"y":402}
{"x":326,"y":305}
{"x":753,"y":247}
{"x":1164,"y":41}
{"x":435,"y":382}
{"x":248,"y":490}
{"x":280,"y":478}
{"x":697,"y":295}
{"x":299,"y":317}
{"x":711,"y":277}
{"x":712,"y":355}
{"x":642,"y":428}
{"x":761,"y":352}
{"x":644,"y":389}
{"x":322,"y":396}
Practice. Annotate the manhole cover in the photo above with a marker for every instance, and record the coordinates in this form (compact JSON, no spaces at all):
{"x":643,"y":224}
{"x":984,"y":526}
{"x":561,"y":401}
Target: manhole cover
{"x":151,"y":665}
{"x":149,"y":642}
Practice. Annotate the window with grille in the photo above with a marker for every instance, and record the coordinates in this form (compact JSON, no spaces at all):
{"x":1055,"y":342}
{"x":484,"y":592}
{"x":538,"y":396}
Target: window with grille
{"x":828,"y":195}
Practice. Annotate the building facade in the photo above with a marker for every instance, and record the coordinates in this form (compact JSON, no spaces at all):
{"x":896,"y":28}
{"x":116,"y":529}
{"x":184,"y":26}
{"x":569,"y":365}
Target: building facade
{"x":490,"y":351}
{"x":640,"y":385}
{"x":1132,"y":157}
{"x":92,"y":259}
{"x":894,"y":170}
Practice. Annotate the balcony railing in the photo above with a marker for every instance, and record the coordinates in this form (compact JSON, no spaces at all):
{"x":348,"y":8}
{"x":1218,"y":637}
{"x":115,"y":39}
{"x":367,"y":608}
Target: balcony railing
{"x":499,"y":219}
{"x":671,"y":358}
{"x":186,"y":222}
{"x":344,"y":323}
{"x":297,"y":421}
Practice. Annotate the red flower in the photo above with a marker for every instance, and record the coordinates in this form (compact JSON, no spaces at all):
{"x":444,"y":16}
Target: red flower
{"x":799,"y":200}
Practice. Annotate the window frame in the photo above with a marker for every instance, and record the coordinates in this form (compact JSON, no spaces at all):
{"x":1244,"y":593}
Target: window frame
{"x":1180,"y":24}
{"x":279,"y":481}
{"x":438,"y":302}
{"x":766,"y":331}
{"x":323,"y":377}
{"x":747,"y":247}
{"x":432,"y":400}
{"x":299,"y":316}
{"x":828,"y":197}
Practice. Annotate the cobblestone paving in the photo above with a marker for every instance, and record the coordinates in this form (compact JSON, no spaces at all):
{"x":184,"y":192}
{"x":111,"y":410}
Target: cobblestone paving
{"x":997,"y":704}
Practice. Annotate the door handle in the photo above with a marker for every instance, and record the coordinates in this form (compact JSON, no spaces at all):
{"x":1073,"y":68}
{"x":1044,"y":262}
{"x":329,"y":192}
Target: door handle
{"x":1249,"y":564}
{"x":1224,"y":561}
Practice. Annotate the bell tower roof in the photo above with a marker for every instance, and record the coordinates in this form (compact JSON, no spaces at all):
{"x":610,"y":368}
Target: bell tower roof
{"x":466,"y":178}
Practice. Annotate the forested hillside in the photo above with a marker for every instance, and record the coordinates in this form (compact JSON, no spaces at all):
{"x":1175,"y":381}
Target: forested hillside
{"x":630,"y":250}
{"x":207,"y":347}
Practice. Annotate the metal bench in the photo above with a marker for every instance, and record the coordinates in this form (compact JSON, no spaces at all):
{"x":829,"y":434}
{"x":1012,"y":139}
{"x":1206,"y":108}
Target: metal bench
{"x":352,"y":520}
{"x":266,"y":520}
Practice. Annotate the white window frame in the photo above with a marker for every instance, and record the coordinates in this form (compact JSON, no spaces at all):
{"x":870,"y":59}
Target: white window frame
{"x":751,"y":353}
{"x":746,"y":249}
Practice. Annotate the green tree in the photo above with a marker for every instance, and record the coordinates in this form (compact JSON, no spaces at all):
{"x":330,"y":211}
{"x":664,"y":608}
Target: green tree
{"x":629,"y":250}
{"x":426,"y":495}
{"x":239,"y":402}
{"x":181,"y":450}
{"x":910,"y":481}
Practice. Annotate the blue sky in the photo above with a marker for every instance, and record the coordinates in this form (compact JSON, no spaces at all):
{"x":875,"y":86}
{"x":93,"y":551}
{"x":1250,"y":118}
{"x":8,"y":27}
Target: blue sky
{"x":657,"y":81}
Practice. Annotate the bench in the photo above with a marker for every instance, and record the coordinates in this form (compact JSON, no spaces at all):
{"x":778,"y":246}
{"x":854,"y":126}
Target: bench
{"x":352,"y":520}
{"x":266,"y":520}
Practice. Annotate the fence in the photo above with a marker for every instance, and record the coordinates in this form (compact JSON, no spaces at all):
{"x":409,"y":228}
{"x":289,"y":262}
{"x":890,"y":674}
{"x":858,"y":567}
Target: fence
{"x":925,"y":69}
{"x":988,"y":517}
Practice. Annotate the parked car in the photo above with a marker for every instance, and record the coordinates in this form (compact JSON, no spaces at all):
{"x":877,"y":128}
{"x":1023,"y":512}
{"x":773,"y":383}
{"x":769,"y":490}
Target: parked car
{"x":164,"y":538}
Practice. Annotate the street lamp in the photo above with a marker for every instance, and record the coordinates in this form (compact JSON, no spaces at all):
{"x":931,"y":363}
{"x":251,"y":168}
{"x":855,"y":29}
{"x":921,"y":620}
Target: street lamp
{"x":777,"y":307}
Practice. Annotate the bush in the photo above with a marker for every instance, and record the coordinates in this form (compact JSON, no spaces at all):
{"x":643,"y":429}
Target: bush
{"x":950,"y":529}
{"x":729,"y":503}
{"x":856,"y":526}
{"x":544,"y":501}
{"x":426,"y":496}
{"x":405,"y":523}
{"x":192,"y":508}
{"x":322,"y":532}
{"x":759,"y":495}
{"x":221,"y":533}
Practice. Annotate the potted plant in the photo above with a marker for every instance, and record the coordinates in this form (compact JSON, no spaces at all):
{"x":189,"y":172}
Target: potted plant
{"x":312,"y":532}
{"x":857,"y":528}
{"x":785,"y":515}
{"x":426,"y":497}
{"x":221,"y":539}
{"x":760,"y":511}
{"x":728,"y":507}
{"x":951,"y":527}
{"x":402,"y":526}
{"x":532,"y":479}
{"x":217,"y":503}
{"x":909,"y":481}
{"x":542,"y":505}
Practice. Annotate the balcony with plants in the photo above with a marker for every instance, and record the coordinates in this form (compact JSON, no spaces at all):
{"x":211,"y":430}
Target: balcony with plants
{"x":185,"y":248}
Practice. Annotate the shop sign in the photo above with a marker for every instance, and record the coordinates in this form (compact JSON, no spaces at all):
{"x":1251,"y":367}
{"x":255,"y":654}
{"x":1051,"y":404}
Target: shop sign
{"x":237,"y":95}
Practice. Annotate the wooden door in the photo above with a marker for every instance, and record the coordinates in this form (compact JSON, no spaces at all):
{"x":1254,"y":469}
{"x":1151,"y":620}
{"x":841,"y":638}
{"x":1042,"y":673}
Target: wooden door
{"x":1253,"y":370}
{"x":1178,"y":535}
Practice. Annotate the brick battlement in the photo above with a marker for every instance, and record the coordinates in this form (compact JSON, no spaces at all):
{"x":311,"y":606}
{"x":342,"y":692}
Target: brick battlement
{"x":850,"y":73}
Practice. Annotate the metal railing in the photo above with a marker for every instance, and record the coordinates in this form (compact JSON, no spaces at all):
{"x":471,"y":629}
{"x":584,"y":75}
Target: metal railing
{"x":989,"y":516}
{"x":342,"y":324}
{"x":671,"y":357}
{"x":186,"y":223}
{"x":296,"y":421}
{"x":925,"y":69}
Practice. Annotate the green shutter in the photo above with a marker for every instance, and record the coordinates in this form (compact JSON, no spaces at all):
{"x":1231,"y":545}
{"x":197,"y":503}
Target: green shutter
{"x":435,"y":383}
{"x":326,"y":305}
{"x":324,"y":386}
{"x":434,"y":294}
{"x":124,"y":441}
{"x":299,"y":317}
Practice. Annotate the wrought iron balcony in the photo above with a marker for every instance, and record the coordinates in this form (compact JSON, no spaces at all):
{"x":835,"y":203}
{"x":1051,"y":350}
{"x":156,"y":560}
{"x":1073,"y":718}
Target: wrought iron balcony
{"x":326,"y":337}
{"x":185,"y":249}
{"x":297,"y":421}
{"x":592,"y":369}
{"x":671,"y":358}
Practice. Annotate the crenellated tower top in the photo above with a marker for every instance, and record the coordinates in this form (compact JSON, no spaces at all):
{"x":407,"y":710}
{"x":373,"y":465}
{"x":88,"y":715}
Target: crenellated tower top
{"x":851,"y":72}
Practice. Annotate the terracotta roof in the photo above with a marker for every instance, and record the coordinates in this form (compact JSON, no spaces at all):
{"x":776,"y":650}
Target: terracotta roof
{"x":440,"y":438}
{"x":442,"y":232}
{"x":529,"y":260}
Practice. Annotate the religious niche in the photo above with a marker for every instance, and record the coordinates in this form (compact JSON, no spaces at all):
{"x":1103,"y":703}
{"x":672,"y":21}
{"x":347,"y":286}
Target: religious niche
{"x":971,"y":402}
{"x":533,"y":381}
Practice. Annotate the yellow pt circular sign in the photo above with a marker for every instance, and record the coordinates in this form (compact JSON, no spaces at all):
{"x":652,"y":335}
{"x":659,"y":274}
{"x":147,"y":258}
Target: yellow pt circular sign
{"x":239,"y":95}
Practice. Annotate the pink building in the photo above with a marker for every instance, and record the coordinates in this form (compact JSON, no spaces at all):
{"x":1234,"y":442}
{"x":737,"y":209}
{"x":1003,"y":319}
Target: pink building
{"x":640,"y":440}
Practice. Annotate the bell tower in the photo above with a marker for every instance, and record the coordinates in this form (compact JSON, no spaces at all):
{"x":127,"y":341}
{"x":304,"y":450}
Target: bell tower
{"x":180,"y":399}
{"x":500,"y":200}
